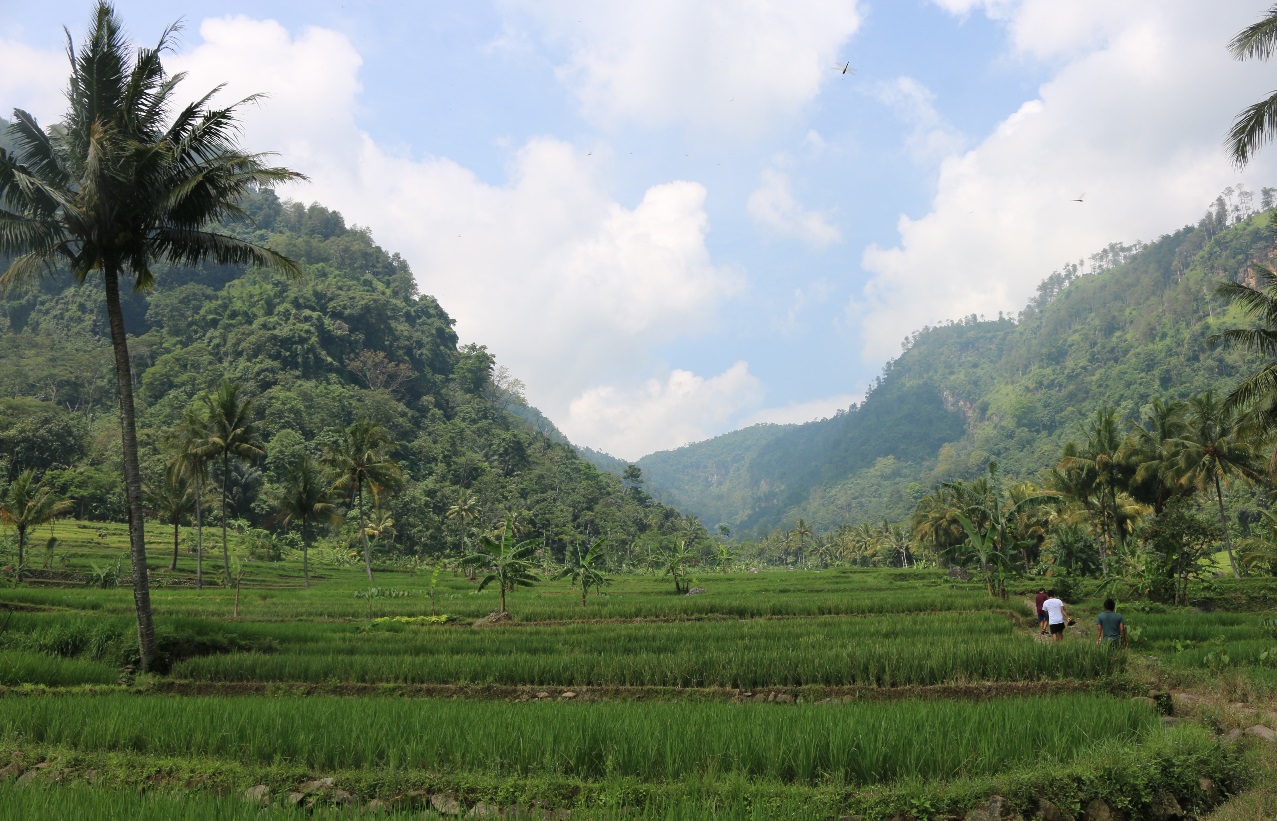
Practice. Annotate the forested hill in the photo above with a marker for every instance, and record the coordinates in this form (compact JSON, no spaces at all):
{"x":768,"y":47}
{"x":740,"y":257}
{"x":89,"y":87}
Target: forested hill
{"x":1134,"y":326}
{"x":354,"y":338}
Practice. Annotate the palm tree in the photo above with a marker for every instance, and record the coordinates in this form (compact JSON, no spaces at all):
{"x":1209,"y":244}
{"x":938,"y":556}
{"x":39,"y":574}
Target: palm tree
{"x":230,"y":432}
{"x":1212,"y":453}
{"x":1256,"y":395}
{"x":508,"y":564}
{"x":803,"y":532}
{"x":466,"y":510}
{"x":359,"y":456}
{"x":1256,"y":124}
{"x":121,"y":183}
{"x":585,"y":569}
{"x":306,"y":498}
{"x":1099,"y":468}
{"x":1153,"y":448}
{"x":189,"y":461}
{"x":170,"y":499}
{"x":27,"y":503}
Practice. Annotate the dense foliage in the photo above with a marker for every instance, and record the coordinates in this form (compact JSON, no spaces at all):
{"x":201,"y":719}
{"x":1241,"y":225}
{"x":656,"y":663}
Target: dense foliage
{"x":351,"y":341}
{"x":1131,"y":325}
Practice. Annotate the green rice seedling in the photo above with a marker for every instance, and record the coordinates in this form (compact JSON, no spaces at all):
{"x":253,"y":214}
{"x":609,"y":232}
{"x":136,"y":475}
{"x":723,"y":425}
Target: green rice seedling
{"x":834,"y":651}
{"x":19,"y":667}
{"x":859,"y":743}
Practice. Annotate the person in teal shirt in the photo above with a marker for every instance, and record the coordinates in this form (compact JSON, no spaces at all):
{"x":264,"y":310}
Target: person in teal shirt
{"x":1110,"y":627}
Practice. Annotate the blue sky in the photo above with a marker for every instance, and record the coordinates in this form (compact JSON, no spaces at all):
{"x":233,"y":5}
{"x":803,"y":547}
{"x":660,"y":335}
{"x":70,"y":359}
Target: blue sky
{"x":674,"y":219}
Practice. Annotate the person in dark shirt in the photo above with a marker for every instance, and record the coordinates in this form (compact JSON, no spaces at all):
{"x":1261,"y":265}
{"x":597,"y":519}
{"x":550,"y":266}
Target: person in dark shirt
{"x":1037,"y":605}
{"x":1110,"y":627}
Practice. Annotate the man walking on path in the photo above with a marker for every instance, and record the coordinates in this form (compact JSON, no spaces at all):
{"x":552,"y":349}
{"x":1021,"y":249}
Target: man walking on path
{"x":1110,"y":627}
{"x":1037,"y":605}
{"x":1057,"y":616}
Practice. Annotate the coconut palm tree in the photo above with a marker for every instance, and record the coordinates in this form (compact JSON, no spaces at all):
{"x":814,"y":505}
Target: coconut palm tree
{"x":360,"y":457}
{"x":1257,"y":123}
{"x":1213,"y":453}
{"x":127,"y":179}
{"x":27,"y":503}
{"x":170,"y":498}
{"x":1153,"y":449}
{"x":307,"y":498}
{"x":802,"y":531}
{"x":187,"y":441}
{"x":464,"y":511}
{"x":1099,"y":471}
{"x":1255,"y":397}
{"x":229,"y":433}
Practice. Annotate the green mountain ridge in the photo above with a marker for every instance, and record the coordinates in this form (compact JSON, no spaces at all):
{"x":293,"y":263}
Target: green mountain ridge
{"x":970,"y":391}
{"x":354,"y":338}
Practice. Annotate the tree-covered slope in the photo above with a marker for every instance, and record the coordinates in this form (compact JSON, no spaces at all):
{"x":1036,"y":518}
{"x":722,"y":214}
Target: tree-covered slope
{"x":352,"y":339}
{"x":1137,"y":326}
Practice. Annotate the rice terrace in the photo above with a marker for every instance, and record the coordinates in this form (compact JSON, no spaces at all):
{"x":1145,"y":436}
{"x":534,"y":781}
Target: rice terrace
{"x":845,"y":692}
{"x":276,"y":543}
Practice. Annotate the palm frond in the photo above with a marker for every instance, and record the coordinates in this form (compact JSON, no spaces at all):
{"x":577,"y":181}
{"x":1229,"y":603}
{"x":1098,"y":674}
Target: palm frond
{"x":1258,"y":40}
{"x":1254,"y":127}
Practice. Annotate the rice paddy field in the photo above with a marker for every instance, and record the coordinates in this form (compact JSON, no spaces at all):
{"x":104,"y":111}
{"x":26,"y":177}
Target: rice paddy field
{"x":822,"y":694}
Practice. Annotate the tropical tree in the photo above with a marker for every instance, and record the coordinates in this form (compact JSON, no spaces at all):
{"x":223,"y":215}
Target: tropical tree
{"x":465,"y":510}
{"x":306,"y":498}
{"x":585,"y":569}
{"x":122,"y":182}
{"x":230,"y":432}
{"x":982,"y":548}
{"x":505,"y":562}
{"x":1257,"y":123}
{"x":802,"y":532}
{"x":1213,"y":453}
{"x":1153,"y":448}
{"x":676,"y":558}
{"x":27,"y":503}
{"x":361,"y":459}
{"x":189,"y":462}
{"x":1097,"y":472}
{"x":1255,"y":397}
{"x":171,"y":498}
{"x":1259,"y":550}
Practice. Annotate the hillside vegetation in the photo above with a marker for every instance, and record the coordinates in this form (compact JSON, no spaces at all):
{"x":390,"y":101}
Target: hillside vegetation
{"x":352,"y":340}
{"x":1136,"y":326}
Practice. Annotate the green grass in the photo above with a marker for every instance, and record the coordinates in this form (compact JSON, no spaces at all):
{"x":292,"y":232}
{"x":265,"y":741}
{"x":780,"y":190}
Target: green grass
{"x":855,"y":743}
{"x":832,"y":651}
{"x":28,"y":667}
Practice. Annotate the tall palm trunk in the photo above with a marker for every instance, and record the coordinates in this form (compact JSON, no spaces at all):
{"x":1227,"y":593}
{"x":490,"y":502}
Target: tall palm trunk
{"x":22,"y":541}
{"x":176,"y":525}
{"x":132,"y":470}
{"x":363,"y":531}
{"x":1223,"y":525}
{"x":226,"y":555}
{"x":305,"y":555}
{"x":199,"y":534}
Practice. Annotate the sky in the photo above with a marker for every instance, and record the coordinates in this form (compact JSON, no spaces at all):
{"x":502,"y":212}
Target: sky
{"x":675,"y":219}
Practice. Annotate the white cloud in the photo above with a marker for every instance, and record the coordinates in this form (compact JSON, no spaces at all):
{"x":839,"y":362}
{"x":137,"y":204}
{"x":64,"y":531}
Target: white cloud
{"x":715,"y":65}
{"x":661,"y":415}
{"x":1136,"y":122}
{"x":773,"y":207}
{"x":32,"y":76}
{"x":560,"y":281}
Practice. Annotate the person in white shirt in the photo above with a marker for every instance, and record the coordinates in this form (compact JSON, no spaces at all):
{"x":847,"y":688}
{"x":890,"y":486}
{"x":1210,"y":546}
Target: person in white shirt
{"x":1057,"y":616}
